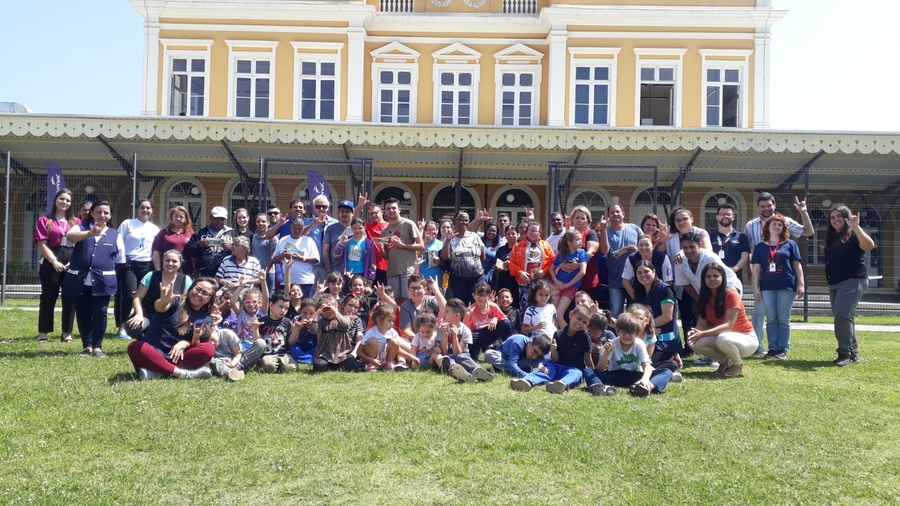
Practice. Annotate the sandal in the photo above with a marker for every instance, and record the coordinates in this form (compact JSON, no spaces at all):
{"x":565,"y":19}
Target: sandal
{"x":66,"y":338}
{"x":42,"y":338}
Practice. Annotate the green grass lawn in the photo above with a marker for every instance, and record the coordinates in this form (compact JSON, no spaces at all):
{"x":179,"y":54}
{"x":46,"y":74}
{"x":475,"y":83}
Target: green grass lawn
{"x":77,"y":430}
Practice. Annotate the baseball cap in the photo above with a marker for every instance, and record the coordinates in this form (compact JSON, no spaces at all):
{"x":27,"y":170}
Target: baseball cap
{"x":347,"y":204}
{"x":219,"y":212}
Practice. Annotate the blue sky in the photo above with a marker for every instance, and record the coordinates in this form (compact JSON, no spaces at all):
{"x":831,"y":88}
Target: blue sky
{"x":829,"y":70}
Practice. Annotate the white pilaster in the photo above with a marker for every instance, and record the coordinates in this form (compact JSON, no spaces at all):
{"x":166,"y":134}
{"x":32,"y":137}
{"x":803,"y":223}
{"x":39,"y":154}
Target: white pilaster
{"x":150,"y":91}
{"x":356,"y":37}
{"x":762,"y":42}
{"x":556,"y":89}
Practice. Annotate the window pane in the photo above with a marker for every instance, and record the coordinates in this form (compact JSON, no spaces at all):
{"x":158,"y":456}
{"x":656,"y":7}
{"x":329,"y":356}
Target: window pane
{"x":712,"y":116}
{"x":447,"y":78}
{"x":525,"y":121}
{"x":463,"y":121}
{"x":524,"y":111}
{"x":600,"y":115}
{"x":387,"y":77}
{"x":525,"y":97}
{"x":262,"y":107}
{"x":403,"y":109}
{"x":507,"y":111}
{"x":387,"y":119}
{"x":666,"y":74}
{"x":308,"y":88}
{"x":730,"y":106}
{"x":243,"y":87}
{"x":327,"y":89}
{"x":464,"y":97}
{"x":262,"y":67}
{"x":581,"y":114}
{"x":327,"y":109}
{"x":403,"y":96}
{"x":327,"y":69}
{"x":196,"y":106}
{"x":509,"y":97}
{"x":712,"y":95}
{"x":508,"y":79}
{"x":601,"y":73}
{"x":403,"y":119}
{"x":582,"y":94}
{"x":600,"y":93}
{"x":244,"y":66}
{"x":447,"y":110}
{"x":198,"y":65}
{"x":446,"y":97}
{"x":404,"y":77}
{"x":526,"y":79}
{"x":582,"y":72}
{"x":179,"y":65}
{"x":446,"y":120}
{"x":464,"y":111}
{"x":712,"y":75}
{"x":465,"y":79}
{"x":262,"y":88}
{"x":197,"y":84}
{"x":386,"y":109}
{"x":242,"y":108}
{"x":308,"y":109}
{"x":507,"y":121}
{"x":308,"y":68}
{"x":387,"y":95}
{"x":732,"y":76}
{"x":647,"y":74}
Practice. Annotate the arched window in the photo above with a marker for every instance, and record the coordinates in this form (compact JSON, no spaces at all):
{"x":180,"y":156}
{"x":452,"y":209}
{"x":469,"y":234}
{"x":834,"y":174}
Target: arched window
{"x":513,"y":202}
{"x":711,"y":207}
{"x":444,"y":203}
{"x":189,"y":195}
{"x":643,"y":205}
{"x":246,"y":194}
{"x":592,"y":199}
{"x":404,"y":195}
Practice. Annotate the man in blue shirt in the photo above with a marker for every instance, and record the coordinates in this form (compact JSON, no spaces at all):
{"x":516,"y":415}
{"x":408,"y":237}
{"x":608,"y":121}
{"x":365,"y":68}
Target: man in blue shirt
{"x":733,"y":247}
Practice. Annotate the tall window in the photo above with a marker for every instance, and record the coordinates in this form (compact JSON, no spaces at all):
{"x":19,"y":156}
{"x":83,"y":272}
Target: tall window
{"x":723,"y":97}
{"x":456,"y":90}
{"x":318,"y":85}
{"x":657,"y":96}
{"x":252,"y":96}
{"x":592,"y":94}
{"x":246,"y":194}
{"x":517,"y":96}
{"x":395,"y":96}
{"x":187,"y":87}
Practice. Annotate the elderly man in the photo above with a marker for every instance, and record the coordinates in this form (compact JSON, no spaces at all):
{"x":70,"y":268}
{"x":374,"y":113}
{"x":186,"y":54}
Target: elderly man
{"x":400,"y":242}
{"x":211,"y":244}
{"x":334,"y":232}
{"x":304,"y":253}
{"x":316,"y":231}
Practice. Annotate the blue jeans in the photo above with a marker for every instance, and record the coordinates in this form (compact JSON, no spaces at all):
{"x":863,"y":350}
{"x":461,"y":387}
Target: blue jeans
{"x":844,"y":299}
{"x":758,"y":318}
{"x":777,"y":305}
{"x":571,"y":376}
{"x":616,"y":301}
{"x":270,"y":282}
{"x":660,"y":378}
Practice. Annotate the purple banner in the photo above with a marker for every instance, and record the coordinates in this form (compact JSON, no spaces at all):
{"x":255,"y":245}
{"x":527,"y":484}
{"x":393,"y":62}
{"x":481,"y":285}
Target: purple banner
{"x":55,"y":182}
{"x":317,"y":186}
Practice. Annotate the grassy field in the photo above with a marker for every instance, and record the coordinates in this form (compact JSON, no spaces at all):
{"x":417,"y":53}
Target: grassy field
{"x":76,"y":430}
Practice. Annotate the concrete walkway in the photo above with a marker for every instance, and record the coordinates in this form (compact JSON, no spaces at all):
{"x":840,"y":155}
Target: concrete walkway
{"x":859,"y":328}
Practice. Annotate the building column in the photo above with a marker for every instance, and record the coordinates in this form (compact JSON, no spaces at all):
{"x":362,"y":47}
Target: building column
{"x":356,"y":37}
{"x":762,"y":42}
{"x":556,"y":89}
{"x":151,"y":68}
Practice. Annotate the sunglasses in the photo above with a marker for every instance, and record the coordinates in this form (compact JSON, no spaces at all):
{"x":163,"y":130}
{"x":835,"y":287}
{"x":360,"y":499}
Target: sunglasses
{"x":320,"y":206}
{"x":274,"y":213}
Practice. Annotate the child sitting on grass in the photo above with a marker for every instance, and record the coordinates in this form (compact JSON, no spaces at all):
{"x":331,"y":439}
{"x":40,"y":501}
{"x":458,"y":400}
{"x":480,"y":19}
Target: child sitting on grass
{"x":518,"y":354}
{"x":373,"y":346}
{"x":227,"y":360}
{"x":505,"y":302}
{"x":277,"y":330}
{"x":487,"y":322}
{"x":424,"y":344}
{"x":454,"y":340}
{"x":598,"y":328}
{"x":570,"y":352}
{"x":335,"y":347}
{"x":540,"y":316}
{"x":626,"y":363}
{"x":303,"y":344}
{"x":645,"y":315}
{"x":247,"y":304}
{"x":350,"y":308}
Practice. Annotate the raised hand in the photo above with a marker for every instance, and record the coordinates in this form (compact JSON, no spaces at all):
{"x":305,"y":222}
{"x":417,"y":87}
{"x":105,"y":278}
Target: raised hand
{"x":362,"y":200}
{"x":165,"y":292}
{"x":853,"y":222}
{"x":800,"y":205}
{"x":601,"y":225}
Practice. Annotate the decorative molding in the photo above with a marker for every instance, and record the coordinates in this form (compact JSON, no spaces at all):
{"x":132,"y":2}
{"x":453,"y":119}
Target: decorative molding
{"x":187,"y":43}
{"x":594,"y":51}
{"x":397,"y":51}
{"x":261,"y":44}
{"x":334,"y":46}
{"x":449,"y":53}
{"x":518,"y":53}
{"x":661,"y":51}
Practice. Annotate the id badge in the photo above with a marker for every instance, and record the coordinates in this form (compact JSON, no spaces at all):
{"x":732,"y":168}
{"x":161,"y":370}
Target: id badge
{"x":772,"y":267}
{"x":722,"y":254}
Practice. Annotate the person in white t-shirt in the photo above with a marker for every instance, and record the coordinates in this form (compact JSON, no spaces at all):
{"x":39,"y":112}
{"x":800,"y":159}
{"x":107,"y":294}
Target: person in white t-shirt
{"x":137,"y":235}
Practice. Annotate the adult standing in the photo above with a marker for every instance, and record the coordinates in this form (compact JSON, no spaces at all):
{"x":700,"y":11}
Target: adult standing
{"x":138,"y":235}
{"x":281,"y":226}
{"x":400,"y":242}
{"x":595,"y":247}
{"x":765,"y":204}
{"x":621,"y":240}
{"x":211,"y":244}
{"x":91,"y":280}
{"x":491,"y":240}
{"x":374,"y":225}
{"x":305,"y":254}
{"x":177,"y":342}
{"x":56,"y":252}
{"x":465,"y":251}
{"x":733,"y":247}
{"x":174,"y":236}
{"x":503,"y":222}
{"x":650,"y":225}
{"x":240,"y":223}
{"x":557,"y":229}
{"x":334,"y":232}
{"x":845,"y":248}
{"x":262,"y":248}
{"x":148,"y":291}
{"x":777,"y":281}
{"x":315,"y":230}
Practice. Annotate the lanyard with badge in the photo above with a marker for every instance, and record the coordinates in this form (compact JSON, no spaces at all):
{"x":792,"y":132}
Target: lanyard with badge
{"x":773,"y":252}
{"x":723,"y":244}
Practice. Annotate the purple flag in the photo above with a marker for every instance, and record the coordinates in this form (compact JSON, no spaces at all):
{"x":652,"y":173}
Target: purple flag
{"x":55,"y":182}
{"x":317,"y":186}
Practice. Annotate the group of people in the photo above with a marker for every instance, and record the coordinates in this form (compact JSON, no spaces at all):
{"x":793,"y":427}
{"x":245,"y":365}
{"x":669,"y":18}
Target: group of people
{"x":363,"y":292}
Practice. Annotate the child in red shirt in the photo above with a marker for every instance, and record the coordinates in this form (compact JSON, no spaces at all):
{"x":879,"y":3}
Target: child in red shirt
{"x":486,"y":320}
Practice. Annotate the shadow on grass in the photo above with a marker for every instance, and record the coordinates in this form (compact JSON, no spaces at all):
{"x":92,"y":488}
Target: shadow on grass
{"x":800,"y":365}
{"x":122,"y":377}
{"x":25,"y":354}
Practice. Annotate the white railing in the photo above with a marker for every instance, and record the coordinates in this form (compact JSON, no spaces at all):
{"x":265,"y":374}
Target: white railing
{"x":397,"y":6}
{"x":519,"y":6}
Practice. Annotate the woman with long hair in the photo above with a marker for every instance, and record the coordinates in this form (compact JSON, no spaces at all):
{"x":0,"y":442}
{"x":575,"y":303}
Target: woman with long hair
{"x":174,"y":235}
{"x":845,"y":248}
{"x":240,"y":222}
{"x":56,"y":252}
{"x":660,"y":298}
{"x":491,"y":240}
{"x":777,"y":281}
{"x":723,"y":332}
{"x":177,"y":342}
{"x":148,"y":291}
{"x":646,"y":251}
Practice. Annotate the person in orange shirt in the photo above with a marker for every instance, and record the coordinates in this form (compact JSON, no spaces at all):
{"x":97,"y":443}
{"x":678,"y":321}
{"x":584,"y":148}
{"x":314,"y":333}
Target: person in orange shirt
{"x":530,"y":260}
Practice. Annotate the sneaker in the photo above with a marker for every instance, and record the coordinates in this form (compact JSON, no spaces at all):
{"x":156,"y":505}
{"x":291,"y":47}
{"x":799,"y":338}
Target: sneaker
{"x":676,"y":377}
{"x":147,"y":374}
{"x":601,"y":390}
{"x":121,"y":334}
{"x":557,"y":387}
{"x":287,"y":363}
{"x":854,"y":358}
{"x":234,"y":374}
{"x":42,"y":338}
{"x":388,"y":366}
{"x":677,"y":359}
{"x":66,"y":338}
{"x":371,"y":368}
{"x":520,"y":385}
{"x":639,"y":391}
{"x":459,"y":372}
{"x":759,"y":353}
{"x":482,"y":374}
{"x":201,"y":373}
{"x":99,"y":353}
{"x":770,"y":354}
{"x":445,"y":364}
{"x":781,"y":355}
{"x":703,"y":361}
{"x":843,"y":360}
{"x":401,"y":366}
{"x":714,"y":364}
{"x":85,"y":352}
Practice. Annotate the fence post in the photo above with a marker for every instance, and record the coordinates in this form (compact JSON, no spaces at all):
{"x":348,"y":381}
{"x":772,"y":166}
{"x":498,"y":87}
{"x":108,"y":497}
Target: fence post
{"x":805,"y":269}
{"x":655,"y":188}
{"x":5,"y":229}
{"x":134,"y":171}
{"x":263,"y":185}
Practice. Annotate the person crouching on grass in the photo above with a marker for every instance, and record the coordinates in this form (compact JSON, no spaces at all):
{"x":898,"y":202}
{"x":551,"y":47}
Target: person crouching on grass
{"x":454,"y":340}
{"x":335,"y":345}
{"x":487,"y":322}
{"x":519,"y":355}
{"x":626,"y":363}
{"x":570,"y":352}
{"x":373,"y":347}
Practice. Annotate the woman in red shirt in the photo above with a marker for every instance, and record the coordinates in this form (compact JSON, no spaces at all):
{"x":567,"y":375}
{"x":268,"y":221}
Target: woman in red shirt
{"x":723,"y":332}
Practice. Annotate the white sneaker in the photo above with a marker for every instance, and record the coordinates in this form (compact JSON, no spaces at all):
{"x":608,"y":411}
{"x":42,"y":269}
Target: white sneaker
{"x":557,"y":387}
{"x":201,"y":373}
{"x":520,"y":385}
{"x":714,"y":364}
{"x":235,"y":374}
{"x":676,"y":377}
{"x":702,"y":361}
{"x":147,"y":374}
{"x":482,"y":374}
{"x":459,"y":372}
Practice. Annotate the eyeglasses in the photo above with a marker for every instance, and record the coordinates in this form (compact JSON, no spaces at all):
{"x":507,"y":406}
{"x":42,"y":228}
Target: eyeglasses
{"x":274,"y":213}
{"x":321,"y":206}
{"x":374,"y":212}
{"x":201,"y":292}
{"x":417,"y":288}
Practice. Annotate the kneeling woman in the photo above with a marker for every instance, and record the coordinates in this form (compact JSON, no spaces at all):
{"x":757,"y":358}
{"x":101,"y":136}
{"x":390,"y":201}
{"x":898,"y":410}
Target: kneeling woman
{"x":177,"y":342}
{"x":723,"y":332}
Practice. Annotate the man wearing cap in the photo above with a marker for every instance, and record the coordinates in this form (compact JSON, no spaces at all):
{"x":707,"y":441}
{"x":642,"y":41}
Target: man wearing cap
{"x":211,"y":244}
{"x":334,"y":232}
{"x":302,"y":249}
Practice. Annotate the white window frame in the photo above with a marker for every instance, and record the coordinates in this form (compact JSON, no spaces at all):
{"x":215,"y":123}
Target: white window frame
{"x":712,"y":59}
{"x":332,"y":56}
{"x":645,"y":58}
{"x":172,"y":54}
{"x":535,"y":89}
{"x":577,"y":59}
{"x":377,"y":87}
{"x":254,"y":56}
{"x":456,"y":58}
